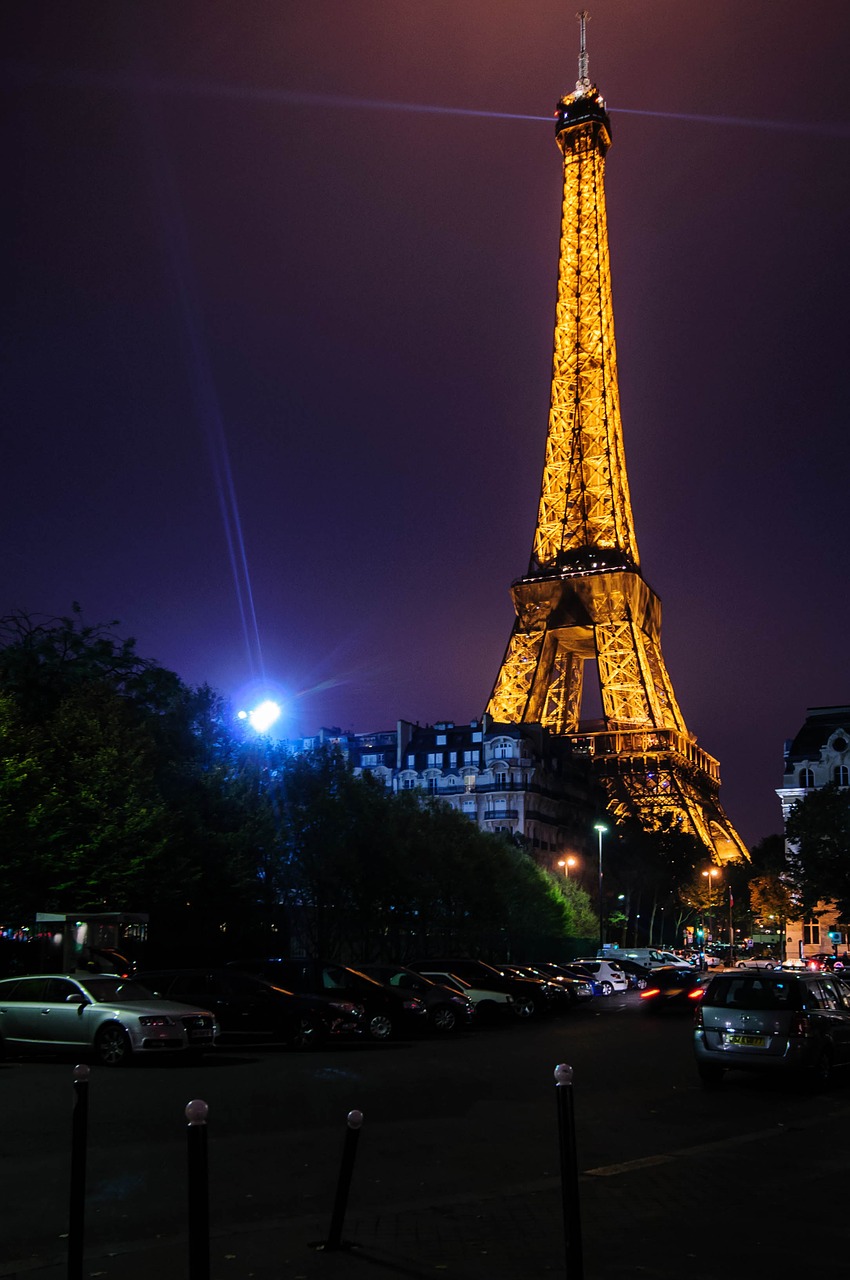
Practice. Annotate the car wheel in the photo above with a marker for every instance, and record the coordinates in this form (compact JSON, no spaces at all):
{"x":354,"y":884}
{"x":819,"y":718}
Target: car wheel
{"x":607,"y":989}
{"x":710,"y":1075}
{"x":111,"y":1046}
{"x":642,"y":984}
{"x":524,"y":1008}
{"x":306,"y":1034}
{"x":380,"y":1026}
{"x":444,"y":1019}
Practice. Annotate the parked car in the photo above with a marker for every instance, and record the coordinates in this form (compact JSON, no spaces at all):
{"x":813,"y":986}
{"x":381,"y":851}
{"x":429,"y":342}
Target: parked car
{"x":637,"y":975}
{"x":780,"y":1021}
{"x":488,"y":1002}
{"x":580,"y":986}
{"x":248,"y":1008}
{"x":527,"y":994}
{"x":608,"y":975}
{"x":102,"y":1014}
{"x":672,"y":988}
{"x":388,"y":1011}
{"x":448,"y":1010}
{"x":556,"y":997}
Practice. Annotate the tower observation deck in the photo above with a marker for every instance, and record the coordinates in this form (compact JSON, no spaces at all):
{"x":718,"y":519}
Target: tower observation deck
{"x":584,"y":597}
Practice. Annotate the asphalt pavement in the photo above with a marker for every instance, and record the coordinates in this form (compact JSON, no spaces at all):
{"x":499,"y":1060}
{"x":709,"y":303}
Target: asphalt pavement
{"x":765,"y":1201}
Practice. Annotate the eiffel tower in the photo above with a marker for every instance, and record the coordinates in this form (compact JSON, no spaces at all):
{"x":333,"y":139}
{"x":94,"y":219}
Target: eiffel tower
{"x":584,"y":597}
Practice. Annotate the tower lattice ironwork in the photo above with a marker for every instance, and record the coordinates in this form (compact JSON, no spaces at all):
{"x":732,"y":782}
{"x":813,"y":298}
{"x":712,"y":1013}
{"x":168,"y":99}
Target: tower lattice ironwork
{"x":584,"y":597}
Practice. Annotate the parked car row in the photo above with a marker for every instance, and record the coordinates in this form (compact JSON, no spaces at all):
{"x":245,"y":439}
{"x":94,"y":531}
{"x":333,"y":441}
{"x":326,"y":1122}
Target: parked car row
{"x":292,"y":1002}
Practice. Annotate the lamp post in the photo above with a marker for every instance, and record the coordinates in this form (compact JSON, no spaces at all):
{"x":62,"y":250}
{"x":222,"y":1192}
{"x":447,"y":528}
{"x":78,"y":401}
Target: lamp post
{"x":709,"y":875}
{"x":566,"y":863}
{"x":600,"y":828}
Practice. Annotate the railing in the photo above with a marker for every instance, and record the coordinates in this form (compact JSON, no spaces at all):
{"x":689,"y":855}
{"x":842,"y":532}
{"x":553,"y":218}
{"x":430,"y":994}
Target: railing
{"x":647,"y":742}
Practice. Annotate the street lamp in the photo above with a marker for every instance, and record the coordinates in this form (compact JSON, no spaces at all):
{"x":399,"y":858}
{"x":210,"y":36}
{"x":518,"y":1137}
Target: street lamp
{"x":600,"y":828}
{"x":566,"y":863}
{"x":709,"y":875}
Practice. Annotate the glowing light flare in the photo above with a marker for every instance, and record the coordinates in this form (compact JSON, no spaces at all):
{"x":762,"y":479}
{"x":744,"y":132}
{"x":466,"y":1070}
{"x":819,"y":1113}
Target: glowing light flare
{"x":263,"y":716}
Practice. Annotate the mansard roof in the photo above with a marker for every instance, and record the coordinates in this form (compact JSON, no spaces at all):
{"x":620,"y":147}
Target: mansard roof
{"x":819,"y":726}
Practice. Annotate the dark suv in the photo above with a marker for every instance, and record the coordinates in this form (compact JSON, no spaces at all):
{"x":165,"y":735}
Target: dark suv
{"x":777,"y":1020}
{"x":389,"y":1011}
{"x":248,"y":1008}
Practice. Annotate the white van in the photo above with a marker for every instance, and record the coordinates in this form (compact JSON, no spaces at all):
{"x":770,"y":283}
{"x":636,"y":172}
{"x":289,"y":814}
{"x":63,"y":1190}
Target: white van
{"x":652,"y":957}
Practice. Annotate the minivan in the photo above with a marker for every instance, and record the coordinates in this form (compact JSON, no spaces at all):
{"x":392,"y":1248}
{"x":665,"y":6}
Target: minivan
{"x":777,"y":1020}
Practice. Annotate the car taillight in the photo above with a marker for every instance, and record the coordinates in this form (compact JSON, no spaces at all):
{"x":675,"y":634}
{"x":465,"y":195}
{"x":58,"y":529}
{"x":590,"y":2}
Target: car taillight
{"x":699,"y":1020}
{"x":650,"y":991}
{"x":696,"y":994}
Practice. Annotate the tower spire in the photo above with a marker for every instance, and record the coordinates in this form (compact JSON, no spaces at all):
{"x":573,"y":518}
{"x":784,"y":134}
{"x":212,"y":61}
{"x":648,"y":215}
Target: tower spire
{"x":583,"y":83}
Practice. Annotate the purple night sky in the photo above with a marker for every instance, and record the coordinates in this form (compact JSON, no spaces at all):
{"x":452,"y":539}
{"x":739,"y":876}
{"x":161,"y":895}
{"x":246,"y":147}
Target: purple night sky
{"x":271,"y":338}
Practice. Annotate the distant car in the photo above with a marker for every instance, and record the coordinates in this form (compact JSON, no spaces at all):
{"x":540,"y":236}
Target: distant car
{"x":637,"y":975}
{"x":488,"y":1002}
{"x":388,"y":1011}
{"x":248,"y":1008}
{"x":447,"y":1009}
{"x":671,"y":987}
{"x":556,"y":998}
{"x":579,"y":985}
{"x":99,"y":1013}
{"x":782,"y":1021}
{"x":527,"y":995}
{"x":608,"y":975}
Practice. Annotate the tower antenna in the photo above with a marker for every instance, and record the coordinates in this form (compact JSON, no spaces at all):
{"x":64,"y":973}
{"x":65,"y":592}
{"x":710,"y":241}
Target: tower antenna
{"x":583,"y":82}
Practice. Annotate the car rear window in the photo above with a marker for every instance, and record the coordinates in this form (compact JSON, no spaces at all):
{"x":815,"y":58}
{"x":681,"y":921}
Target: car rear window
{"x":753,"y":991}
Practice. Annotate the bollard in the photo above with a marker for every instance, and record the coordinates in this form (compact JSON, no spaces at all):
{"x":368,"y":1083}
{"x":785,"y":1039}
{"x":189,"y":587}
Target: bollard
{"x":569,"y":1172}
{"x":352,"y":1134}
{"x":199,"y":1206}
{"x":77,"y":1205}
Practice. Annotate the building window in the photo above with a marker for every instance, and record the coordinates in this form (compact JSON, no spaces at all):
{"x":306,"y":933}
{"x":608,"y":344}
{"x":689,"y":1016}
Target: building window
{"x":811,"y":933}
{"x":471,"y":757}
{"x":839,"y":775}
{"x":441,"y":739}
{"x":435,"y":759}
{"x":452,"y":759}
{"x":407,"y":784}
{"x":504,"y":751}
{"x":368,"y":760}
{"x":807,"y":778}
{"x":411,"y":762}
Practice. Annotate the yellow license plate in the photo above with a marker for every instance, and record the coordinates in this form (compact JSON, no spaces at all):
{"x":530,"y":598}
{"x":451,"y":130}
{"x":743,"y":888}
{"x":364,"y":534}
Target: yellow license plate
{"x":748,"y":1042}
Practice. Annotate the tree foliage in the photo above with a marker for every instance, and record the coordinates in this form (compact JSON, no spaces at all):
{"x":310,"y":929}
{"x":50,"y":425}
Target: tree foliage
{"x":818,"y":833}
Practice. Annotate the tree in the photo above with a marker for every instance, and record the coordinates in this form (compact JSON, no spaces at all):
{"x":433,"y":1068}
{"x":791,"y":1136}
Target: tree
{"x":818,"y":835}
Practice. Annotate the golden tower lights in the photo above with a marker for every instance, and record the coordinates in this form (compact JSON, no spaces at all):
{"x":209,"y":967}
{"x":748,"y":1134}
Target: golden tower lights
{"x":584,"y":597}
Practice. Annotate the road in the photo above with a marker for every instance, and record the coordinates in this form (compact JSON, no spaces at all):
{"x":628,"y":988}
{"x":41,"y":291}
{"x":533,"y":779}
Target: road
{"x":443,"y":1119}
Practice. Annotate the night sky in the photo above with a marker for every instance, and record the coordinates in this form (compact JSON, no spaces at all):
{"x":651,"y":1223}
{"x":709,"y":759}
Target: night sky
{"x":278,"y":329}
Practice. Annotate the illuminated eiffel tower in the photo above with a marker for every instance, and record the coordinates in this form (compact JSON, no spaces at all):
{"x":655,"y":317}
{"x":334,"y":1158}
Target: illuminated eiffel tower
{"x":584,"y":597}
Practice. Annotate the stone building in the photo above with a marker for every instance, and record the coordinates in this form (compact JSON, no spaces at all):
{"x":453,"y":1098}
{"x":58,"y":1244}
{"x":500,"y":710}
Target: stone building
{"x":818,"y":755}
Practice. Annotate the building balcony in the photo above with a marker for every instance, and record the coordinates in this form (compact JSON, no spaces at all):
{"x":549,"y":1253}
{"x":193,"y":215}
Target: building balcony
{"x":494,"y":815}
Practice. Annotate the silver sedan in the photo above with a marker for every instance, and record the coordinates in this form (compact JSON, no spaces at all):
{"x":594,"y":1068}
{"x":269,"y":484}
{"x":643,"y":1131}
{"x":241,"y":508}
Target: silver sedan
{"x":102,"y":1014}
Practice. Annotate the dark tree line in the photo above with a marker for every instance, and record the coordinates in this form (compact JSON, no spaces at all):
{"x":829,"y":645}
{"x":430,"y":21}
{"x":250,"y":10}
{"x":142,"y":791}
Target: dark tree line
{"x":121,"y":788}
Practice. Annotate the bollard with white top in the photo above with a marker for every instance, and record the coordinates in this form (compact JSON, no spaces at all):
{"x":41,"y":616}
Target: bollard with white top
{"x":354,"y":1123}
{"x":569,"y":1172}
{"x":197,"y":1113}
{"x":79,"y":1141}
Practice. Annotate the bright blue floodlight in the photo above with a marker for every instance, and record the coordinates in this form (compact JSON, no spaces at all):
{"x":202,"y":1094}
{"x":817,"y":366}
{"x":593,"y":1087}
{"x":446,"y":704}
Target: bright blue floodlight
{"x":263,"y":716}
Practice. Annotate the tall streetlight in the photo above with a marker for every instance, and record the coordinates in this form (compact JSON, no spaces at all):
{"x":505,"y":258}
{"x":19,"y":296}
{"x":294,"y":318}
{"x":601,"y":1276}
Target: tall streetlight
{"x":600,"y":828}
{"x":709,"y":875}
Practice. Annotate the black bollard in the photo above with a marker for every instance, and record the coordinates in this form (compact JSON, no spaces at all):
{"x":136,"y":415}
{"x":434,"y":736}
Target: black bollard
{"x":77,"y":1206}
{"x":352,"y":1134}
{"x":199,"y":1203}
{"x":569,"y":1172}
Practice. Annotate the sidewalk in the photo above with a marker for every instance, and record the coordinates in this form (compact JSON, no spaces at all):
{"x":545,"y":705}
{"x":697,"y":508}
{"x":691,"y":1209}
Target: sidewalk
{"x":735,"y":1208}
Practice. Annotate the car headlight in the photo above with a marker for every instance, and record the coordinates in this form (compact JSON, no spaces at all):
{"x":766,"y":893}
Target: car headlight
{"x":156,"y":1020}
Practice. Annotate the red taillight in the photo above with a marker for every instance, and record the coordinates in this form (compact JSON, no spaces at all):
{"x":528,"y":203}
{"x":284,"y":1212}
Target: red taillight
{"x":650,"y":991}
{"x":699,"y":1020}
{"x":697,"y":993}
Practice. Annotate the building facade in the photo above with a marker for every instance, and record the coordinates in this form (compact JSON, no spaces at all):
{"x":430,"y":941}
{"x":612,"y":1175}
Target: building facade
{"x":520,"y":781}
{"x":817,"y":756}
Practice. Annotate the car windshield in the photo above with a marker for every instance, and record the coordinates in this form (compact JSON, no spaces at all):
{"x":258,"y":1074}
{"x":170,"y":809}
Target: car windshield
{"x":106,"y":990}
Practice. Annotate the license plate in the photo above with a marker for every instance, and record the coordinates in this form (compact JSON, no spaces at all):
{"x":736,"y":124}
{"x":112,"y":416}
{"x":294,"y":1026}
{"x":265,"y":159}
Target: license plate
{"x":748,"y":1042}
